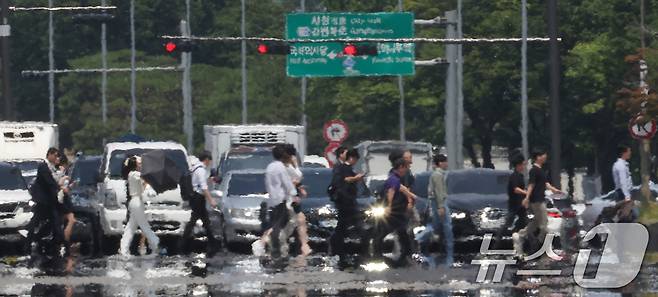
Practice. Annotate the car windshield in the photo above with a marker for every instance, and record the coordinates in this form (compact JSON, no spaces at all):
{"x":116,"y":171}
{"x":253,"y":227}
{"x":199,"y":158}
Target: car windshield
{"x":246,"y":161}
{"x":246,"y":184}
{"x":11,"y":178}
{"x":421,"y":184}
{"x":27,"y":165}
{"x":119,"y":156}
{"x":316,"y":183}
{"x":86,"y":171}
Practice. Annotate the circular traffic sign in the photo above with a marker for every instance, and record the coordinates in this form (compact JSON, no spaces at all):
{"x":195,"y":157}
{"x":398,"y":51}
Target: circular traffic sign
{"x":330,"y":153}
{"x":640,"y":129}
{"x":335,"y":131}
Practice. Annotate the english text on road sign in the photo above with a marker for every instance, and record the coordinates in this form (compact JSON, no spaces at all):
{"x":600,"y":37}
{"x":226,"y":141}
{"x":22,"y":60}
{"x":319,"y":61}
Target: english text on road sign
{"x":329,"y":59}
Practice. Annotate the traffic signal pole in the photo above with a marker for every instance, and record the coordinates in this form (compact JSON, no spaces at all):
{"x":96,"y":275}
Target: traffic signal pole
{"x":186,"y":64}
{"x":556,"y":141}
{"x":403,"y":136}
{"x":243,"y":48}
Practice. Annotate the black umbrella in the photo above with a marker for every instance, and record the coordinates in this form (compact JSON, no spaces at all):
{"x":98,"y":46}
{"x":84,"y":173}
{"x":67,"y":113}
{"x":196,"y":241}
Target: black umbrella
{"x":160,"y":171}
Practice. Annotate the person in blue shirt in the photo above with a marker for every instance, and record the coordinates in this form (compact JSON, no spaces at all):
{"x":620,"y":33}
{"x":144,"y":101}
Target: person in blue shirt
{"x":397,"y":206}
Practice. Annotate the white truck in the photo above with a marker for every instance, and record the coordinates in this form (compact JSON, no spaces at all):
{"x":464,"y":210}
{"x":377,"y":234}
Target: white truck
{"x":374,"y":157}
{"x":165,"y":212}
{"x":221,"y":139}
{"x":25,"y":144}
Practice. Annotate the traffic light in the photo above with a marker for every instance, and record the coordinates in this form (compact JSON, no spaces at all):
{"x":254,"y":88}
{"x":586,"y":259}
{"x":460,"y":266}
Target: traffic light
{"x":273,"y":49}
{"x":360,"y":50}
{"x":181,"y":45}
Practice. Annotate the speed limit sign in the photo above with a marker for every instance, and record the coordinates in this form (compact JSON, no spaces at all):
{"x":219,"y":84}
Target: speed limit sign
{"x":335,"y":131}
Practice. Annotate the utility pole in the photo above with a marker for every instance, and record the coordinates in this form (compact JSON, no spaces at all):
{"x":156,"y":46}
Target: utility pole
{"x":4,"y":61}
{"x":186,"y":64}
{"x":186,"y":61}
{"x":556,"y":142}
{"x":403,"y":136}
{"x":459,"y":155}
{"x":51,"y":63}
{"x":133,"y":72}
{"x":104,"y":73}
{"x":524,"y":79}
{"x":244,"y":62}
{"x":451,"y":93}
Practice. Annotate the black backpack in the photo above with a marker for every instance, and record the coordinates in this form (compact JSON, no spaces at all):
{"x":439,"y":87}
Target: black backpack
{"x":186,"y":186}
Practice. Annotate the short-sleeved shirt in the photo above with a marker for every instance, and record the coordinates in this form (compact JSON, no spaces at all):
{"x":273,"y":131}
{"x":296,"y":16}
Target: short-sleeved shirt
{"x":538,"y":178}
{"x":399,"y":200}
{"x":515,"y":181}
{"x":347,"y":192}
{"x":199,"y":179}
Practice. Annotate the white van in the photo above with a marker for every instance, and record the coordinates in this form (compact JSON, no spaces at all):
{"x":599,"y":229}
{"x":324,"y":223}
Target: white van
{"x":165,"y":212}
{"x":25,"y":145}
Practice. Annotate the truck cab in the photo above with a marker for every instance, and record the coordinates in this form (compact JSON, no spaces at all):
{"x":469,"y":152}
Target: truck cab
{"x":165,"y":212}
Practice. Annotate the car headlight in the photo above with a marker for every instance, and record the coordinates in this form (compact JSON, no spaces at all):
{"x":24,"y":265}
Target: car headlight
{"x":243,"y":213}
{"x":26,"y":206}
{"x":458,"y":215}
{"x":111,"y":201}
{"x":376,"y":211}
{"x":324,"y":211}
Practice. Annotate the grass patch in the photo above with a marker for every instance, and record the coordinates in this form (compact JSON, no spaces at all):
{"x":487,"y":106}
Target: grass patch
{"x":649,"y":213}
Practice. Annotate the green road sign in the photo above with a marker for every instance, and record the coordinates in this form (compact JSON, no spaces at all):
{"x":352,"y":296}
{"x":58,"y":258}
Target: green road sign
{"x":327,"y":59}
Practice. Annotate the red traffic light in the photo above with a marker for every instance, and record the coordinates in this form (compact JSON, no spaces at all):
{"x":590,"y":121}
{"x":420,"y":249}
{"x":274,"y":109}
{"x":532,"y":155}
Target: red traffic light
{"x":273,"y":49}
{"x":350,"y":50}
{"x":360,"y":50}
{"x":263,"y":49}
{"x":170,"y":47}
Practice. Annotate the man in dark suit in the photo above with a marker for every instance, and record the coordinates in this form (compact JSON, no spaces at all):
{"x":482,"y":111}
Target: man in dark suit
{"x":44,"y":194}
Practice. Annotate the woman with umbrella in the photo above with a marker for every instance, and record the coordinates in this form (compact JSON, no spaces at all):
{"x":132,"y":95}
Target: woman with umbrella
{"x":135,"y":187}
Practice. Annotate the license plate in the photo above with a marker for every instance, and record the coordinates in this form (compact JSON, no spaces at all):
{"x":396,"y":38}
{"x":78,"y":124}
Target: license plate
{"x":157,"y":217}
{"x":329,"y":223}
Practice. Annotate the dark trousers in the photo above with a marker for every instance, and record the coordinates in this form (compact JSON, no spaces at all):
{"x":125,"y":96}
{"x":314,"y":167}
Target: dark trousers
{"x":48,"y":220}
{"x":520,"y":213}
{"x":199,"y":212}
{"x":396,"y":222}
{"x":278,"y":219}
{"x":348,"y":216}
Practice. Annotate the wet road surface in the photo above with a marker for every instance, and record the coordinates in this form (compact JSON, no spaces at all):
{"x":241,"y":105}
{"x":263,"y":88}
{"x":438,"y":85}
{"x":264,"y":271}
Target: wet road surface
{"x":229,"y":274}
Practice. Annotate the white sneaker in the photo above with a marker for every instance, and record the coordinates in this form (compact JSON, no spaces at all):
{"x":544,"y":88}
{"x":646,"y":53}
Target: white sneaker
{"x":518,"y":245}
{"x":258,"y":248}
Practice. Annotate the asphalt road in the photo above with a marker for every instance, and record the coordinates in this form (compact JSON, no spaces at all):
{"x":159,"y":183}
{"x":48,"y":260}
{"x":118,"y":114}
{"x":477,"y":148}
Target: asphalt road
{"x":229,"y":274}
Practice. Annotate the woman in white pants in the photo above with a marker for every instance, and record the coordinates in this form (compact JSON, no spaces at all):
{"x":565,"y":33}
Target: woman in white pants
{"x":135,"y":186}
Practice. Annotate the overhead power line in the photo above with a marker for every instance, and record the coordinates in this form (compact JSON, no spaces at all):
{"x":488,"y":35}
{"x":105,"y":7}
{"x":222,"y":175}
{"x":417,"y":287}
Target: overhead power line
{"x":61,"y":8}
{"x":402,"y":40}
{"x":99,"y":70}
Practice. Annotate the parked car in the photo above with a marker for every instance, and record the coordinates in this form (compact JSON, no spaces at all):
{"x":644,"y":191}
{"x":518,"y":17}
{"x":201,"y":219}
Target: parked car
{"x":166,"y":212}
{"x":320,"y":211}
{"x":87,"y":207}
{"x":239,"y":196}
{"x":15,"y":201}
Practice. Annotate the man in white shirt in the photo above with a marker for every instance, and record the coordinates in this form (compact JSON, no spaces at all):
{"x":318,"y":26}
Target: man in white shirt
{"x":281,"y":190}
{"x":198,"y":201}
{"x":621,"y":174}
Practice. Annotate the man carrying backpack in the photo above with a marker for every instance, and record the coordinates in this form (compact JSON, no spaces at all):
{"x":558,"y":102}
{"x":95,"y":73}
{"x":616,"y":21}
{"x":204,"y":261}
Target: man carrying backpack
{"x":197,"y":200}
